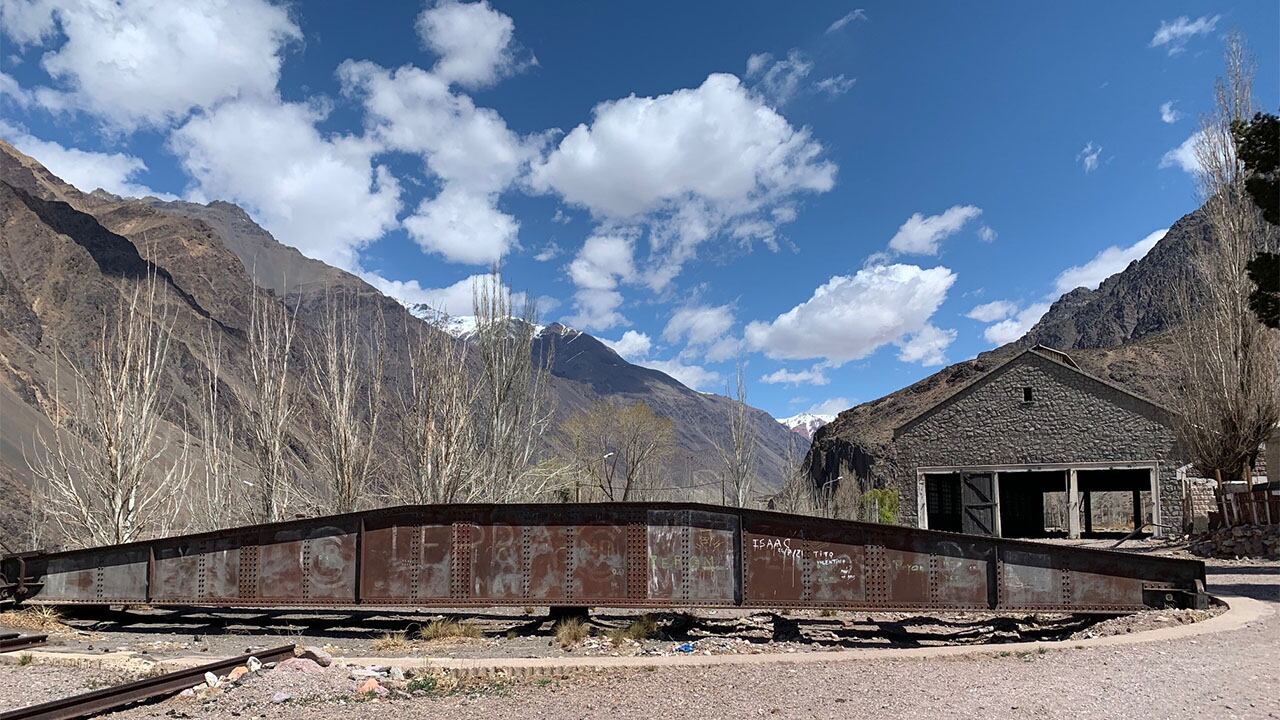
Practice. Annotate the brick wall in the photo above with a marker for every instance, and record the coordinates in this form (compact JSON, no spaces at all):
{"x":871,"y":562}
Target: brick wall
{"x":1071,"y":418}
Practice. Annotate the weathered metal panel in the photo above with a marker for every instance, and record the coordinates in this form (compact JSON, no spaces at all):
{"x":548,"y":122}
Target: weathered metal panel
{"x":795,"y":564}
{"x":546,"y":561}
{"x":1030,"y":580}
{"x":205,"y":571}
{"x":497,"y":560}
{"x":308,"y":565}
{"x":405,"y":563}
{"x":599,"y":562}
{"x":692,"y":556}
{"x":105,"y":576}
{"x":655,"y":555}
{"x":961,"y":574}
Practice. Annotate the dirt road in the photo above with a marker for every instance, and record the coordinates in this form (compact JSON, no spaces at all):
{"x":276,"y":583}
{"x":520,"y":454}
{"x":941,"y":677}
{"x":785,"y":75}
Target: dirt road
{"x":1224,"y":675}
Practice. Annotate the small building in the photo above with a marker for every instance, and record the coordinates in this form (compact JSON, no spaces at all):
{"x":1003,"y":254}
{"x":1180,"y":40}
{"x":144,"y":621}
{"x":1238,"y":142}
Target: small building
{"x":1038,"y":447}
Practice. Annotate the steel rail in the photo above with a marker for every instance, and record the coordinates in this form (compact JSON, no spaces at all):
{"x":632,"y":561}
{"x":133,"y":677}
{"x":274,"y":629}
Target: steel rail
{"x":10,"y":642}
{"x":105,"y":700}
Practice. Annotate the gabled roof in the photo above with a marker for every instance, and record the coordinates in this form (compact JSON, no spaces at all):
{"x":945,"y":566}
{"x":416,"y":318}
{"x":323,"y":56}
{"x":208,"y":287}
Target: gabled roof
{"x":1043,"y":351}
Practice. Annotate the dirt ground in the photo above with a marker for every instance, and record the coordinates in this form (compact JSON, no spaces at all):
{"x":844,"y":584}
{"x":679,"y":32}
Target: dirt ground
{"x":1223,"y":675}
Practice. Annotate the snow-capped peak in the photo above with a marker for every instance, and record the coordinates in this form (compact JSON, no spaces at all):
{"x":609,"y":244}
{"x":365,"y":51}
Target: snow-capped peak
{"x":806,"y":424}
{"x":462,"y":326}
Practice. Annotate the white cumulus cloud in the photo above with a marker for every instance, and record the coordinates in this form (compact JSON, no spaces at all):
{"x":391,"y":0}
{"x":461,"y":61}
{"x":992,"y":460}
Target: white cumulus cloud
{"x":685,"y":167}
{"x":1168,"y":114}
{"x":319,"y":193}
{"x":149,"y":63}
{"x":1184,"y":156}
{"x":693,"y":376}
{"x":463,"y":227}
{"x":631,"y":346}
{"x":699,"y":324}
{"x":928,"y":346}
{"x":992,"y":311}
{"x":469,"y":149}
{"x":602,"y":262}
{"x":851,"y":316}
{"x":474,"y":42}
{"x":812,"y":376}
{"x":1106,"y":263}
{"x":1010,"y":329}
{"x":830,"y":406}
{"x":920,"y":235}
{"x":453,"y":300}
{"x":86,"y":170}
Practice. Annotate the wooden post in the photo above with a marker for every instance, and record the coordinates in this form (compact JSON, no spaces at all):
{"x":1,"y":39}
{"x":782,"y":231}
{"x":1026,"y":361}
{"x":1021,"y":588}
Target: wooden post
{"x":1073,"y":505}
{"x":1157,"y":515}
{"x":1088,"y":512}
{"x":1137,"y":509}
{"x":995,"y":498}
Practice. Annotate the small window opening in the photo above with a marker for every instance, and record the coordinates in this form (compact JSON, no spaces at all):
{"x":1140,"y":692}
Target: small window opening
{"x":1027,"y":395}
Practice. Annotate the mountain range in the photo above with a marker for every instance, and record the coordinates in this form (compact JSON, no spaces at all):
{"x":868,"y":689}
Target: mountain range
{"x":68,"y":256}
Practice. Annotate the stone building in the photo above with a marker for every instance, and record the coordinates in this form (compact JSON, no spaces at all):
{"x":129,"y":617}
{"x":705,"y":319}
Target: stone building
{"x":1035,"y":447}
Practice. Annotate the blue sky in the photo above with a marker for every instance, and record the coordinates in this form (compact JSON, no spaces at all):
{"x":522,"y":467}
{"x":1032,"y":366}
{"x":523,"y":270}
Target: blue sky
{"x":841,"y":196}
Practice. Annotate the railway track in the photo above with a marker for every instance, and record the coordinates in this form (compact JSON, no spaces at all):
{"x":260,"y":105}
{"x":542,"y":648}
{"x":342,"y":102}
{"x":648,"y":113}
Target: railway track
{"x":10,"y":641}
{"x":94,"y":703}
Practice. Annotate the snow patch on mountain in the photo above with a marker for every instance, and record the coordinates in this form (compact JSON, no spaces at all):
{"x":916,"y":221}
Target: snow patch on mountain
{"x":806,"y":424}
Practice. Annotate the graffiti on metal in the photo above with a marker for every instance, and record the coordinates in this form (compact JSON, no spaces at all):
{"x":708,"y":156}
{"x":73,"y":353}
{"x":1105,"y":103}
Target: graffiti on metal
{"x":636,"y":555}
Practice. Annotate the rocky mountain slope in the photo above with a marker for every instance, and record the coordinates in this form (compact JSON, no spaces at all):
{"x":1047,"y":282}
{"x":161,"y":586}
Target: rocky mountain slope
{"x":66,"y":257}
{"x":1120,"y":331}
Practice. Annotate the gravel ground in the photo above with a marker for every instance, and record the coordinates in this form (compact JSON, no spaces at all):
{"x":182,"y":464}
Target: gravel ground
{"x":1223,"y":675}
{"x":33,"y":684}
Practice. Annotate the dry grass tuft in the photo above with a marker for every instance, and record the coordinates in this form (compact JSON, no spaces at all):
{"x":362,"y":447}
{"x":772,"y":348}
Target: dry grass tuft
{"x":38,"y":618}
{"x":449,"y":630}
{"x":644,"y":627}
{"x":571,"y":632}
{"x":398,"y":640}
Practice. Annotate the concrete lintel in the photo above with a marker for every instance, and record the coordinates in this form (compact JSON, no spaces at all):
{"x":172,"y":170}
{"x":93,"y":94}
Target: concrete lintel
{"x":1024,"y":467}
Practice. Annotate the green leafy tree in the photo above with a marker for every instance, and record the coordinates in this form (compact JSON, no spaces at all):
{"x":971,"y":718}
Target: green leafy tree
{"x":1257,"y":144}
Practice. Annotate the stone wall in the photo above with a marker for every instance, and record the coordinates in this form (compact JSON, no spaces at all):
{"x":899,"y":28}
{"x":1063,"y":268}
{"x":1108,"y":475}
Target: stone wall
{"x":1071,"y":418}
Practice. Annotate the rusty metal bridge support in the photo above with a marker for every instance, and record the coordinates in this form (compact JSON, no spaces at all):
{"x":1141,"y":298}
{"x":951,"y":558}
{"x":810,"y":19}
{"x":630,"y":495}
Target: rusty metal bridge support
{"x":649,"y":555}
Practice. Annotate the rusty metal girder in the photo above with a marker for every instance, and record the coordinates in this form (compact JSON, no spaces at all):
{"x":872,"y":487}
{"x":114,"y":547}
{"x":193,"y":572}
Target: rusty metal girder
{"x":648,"y":555}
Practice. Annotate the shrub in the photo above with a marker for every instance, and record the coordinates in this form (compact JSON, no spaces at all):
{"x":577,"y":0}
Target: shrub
{"x":446,"y":629}
{"x":398,"y":640}
{"x":886,"y":501}
{"x":571,"y":632}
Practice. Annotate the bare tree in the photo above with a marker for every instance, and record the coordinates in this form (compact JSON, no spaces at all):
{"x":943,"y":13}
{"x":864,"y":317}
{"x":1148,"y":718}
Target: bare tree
{"x":22,"y":515}
{"x":619,"y":450}
{"x":738,"y":455}
{"x":346,"y":364}
{"x":436,"y":419}
{"x":797,"y":492}
{"x":224,"y":499}
{"x":107,"y":471}
{"x":515,"y":405}
{"x":1229,"y":363}
{"x":272,"y":404}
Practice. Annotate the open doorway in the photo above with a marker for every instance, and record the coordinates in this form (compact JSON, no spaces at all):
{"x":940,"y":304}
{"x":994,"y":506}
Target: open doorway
{"x":1114,"y":502}
{"x":1032,"y":503}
